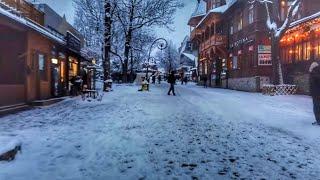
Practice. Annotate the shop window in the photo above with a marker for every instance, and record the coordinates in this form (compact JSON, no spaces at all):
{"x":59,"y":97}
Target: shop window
{"x":306,"y":51}
{"x":42,"y":67}
{"x":235,"y":62}
{"x":62,"y":71}
{"x":298,"y":52}
{"x":317,"y":49}
{"x":73,"y":65}
{"x":251,"y":14}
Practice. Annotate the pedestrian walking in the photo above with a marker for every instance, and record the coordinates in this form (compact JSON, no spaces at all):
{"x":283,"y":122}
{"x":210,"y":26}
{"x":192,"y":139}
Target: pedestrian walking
{"x":159,"y":79}
{"x":185,"y":80}
{"x":315,"y":90}
{"x":172,"y":82}
{"x":205,"y":79}
{"x":153,"y":79}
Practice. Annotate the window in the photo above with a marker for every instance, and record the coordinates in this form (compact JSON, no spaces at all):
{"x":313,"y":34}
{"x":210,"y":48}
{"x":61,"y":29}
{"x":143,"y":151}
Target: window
{"x":235,"y":62}
{"x":231,"y":28}
{"x":317,"y":49}
{"x":42,"y":66}
{"x":41,"y":62}
{"x":298,"y":52}
{"x":240,"y":22}
{"x":306,"y":51}
{"x":251,"y":14}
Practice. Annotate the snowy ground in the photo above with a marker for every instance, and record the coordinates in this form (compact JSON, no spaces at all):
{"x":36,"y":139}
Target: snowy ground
{"x":199,"y":134}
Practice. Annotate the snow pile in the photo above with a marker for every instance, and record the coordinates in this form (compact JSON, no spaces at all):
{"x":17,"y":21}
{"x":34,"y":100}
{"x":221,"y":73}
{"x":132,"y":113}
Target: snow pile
{"x":8,"y":145}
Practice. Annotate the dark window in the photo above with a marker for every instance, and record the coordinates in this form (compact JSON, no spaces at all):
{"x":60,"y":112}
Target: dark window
{"x":42,"y":67}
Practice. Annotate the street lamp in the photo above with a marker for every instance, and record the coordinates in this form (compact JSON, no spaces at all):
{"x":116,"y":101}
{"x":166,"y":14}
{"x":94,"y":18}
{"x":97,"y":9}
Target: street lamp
{"x":161,"y":44}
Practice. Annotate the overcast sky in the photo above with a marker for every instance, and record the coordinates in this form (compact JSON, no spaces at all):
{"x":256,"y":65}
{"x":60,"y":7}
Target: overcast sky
{"x":180,"y":25}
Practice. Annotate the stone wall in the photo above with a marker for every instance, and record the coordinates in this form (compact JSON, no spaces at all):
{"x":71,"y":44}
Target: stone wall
{"x":302,"y":81}
{"x":251,"y":84}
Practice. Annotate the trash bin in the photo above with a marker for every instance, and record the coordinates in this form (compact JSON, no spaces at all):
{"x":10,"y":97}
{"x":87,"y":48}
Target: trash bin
{"x":108,"y":85}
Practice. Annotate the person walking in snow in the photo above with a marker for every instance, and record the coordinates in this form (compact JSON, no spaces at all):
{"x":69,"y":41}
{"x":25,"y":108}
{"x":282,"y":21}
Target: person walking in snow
{"x":159,"y":79}
{"x":315,"y":90}
{"x":205,"y":79}
{"x":172,"y":82}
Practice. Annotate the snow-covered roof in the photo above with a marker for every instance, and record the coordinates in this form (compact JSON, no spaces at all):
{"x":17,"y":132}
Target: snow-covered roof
{"x":223,"y":8}
{"x":190,"y":56}
{"x":219,"y":10}
{"x":200,"y":9}
{"x":308,"y":18}
{"x":184,"y":44}
{"x":31,"y":24}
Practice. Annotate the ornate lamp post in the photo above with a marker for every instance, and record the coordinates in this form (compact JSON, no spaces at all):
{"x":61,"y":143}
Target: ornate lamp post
{"x":161,"y":44}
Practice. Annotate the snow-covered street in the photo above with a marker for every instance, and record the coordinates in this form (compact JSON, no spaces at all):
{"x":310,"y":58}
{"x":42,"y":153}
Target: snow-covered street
{"x":198,"y":134}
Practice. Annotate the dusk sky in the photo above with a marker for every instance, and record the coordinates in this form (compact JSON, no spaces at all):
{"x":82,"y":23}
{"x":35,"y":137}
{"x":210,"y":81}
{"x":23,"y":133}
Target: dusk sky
{"x":180,"y":25}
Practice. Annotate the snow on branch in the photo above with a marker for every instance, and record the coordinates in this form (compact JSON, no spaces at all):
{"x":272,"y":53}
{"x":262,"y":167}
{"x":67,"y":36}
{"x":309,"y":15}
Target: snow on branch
{"x":276,"y":26}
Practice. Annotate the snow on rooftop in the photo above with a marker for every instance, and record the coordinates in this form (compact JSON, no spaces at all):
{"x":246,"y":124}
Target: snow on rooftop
{"x":31,"y":25}
{"x":220,"y":9}
{"x":313,"y":16}
{"x":200,"y":9}
{"x":223,"y":8}
{"x":190,"y":56}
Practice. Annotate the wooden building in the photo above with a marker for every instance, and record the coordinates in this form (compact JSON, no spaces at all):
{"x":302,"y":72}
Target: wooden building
{"x":299,"y":48}
{"x":35,"y":63}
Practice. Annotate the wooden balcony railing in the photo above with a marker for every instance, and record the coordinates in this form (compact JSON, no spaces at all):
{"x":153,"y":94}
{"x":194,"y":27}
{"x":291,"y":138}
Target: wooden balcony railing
{"x":215,"y":40}
{"x":26,"y":10}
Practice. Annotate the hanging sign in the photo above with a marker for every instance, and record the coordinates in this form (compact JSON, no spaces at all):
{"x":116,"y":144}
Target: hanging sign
{"x":264,"y":59}
{"x":264,"y":49}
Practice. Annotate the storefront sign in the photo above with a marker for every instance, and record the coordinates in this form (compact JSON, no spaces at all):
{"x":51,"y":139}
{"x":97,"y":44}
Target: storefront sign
{"x":240,"y":42}
{"x":264,"y":49}
{"x":264,"y":59}
{"x":73,"y":42}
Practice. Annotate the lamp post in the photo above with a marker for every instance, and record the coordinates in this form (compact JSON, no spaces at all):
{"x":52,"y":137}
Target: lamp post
{"x":162,"y":44}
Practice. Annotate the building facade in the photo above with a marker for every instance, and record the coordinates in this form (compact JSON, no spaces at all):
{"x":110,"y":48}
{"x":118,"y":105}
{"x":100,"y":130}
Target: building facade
{"x":35,"y":62}
{"x":235,"y":47}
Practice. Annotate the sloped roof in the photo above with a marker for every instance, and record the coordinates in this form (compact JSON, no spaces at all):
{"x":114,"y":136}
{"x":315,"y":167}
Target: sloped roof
{"x":200,"y":9}
{"x":190,"y":56}
{"x":31,"y":25}
{"x":308,"y":18}
{"x":219,"y":10}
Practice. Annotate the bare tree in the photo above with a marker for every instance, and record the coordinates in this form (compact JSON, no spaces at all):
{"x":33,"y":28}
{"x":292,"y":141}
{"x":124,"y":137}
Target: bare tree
{"x":137,"y":14}
{"x":168,"y":58}
{"x":277,"y":28}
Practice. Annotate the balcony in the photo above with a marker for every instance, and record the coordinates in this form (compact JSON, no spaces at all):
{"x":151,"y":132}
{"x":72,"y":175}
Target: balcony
{"x":25,"y":9}
{"x":215,"y":40}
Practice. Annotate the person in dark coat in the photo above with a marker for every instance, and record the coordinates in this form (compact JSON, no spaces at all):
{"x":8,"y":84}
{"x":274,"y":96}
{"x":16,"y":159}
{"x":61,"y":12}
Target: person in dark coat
{"x":172,"y":81}
{"x":159,"y":79}
{"x":205,"y":79}
{"x":315,"y":90}
{"x":153,"y":79}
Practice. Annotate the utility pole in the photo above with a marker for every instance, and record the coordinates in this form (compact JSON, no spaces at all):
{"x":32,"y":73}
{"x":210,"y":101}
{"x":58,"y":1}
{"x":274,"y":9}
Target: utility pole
{"x":107,"y":41}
